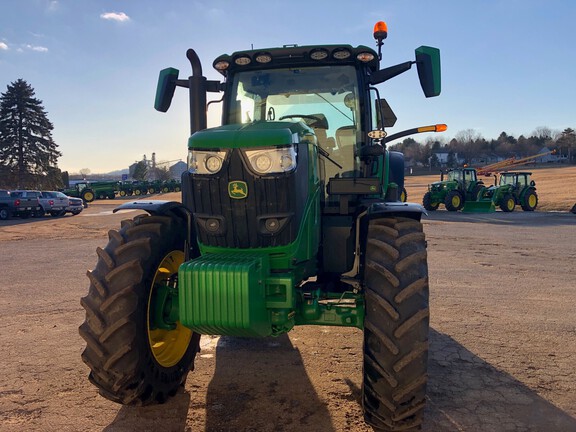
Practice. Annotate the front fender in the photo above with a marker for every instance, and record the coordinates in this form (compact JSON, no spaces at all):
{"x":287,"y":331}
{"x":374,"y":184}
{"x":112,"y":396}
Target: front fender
{"x":172,"y":209}
{"x":387,"y":209}
{"x":155,"y":207}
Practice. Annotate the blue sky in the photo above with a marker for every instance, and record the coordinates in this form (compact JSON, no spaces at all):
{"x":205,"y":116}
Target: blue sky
{"x":507,"y":65}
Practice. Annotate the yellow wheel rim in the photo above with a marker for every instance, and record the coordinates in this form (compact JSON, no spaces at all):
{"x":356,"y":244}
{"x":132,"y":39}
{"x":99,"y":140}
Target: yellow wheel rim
{"x":456,"y":201}
{"x":89,"y":196}
{"x":168,"y":346}
{"x":532,"y":201}
{"x":511,"y":204}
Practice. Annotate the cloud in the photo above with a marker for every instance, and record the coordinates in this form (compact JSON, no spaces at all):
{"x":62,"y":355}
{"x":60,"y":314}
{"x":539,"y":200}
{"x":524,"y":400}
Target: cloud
{"x":53,"y":5}
{"x":3,"y":46}
{"x":37,"y":48}
{"x":115,"y":16}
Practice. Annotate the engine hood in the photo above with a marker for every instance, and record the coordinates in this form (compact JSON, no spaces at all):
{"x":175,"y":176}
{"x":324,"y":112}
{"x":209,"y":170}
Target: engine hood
{"x":256,"y":134}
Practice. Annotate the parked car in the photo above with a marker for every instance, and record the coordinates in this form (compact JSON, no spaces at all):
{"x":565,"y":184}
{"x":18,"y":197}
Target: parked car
{"x":54,"y":203}
{"x":6,"y":205}
{"x":26,"y":203}
{"x":75,"y":205}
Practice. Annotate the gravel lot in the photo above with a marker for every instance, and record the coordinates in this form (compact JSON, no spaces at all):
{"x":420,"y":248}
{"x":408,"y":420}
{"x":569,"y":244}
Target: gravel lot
{"x":502,"y":343}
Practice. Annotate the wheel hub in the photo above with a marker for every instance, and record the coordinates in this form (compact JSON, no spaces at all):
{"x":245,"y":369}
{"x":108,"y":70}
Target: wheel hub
{"x":167,"y":337}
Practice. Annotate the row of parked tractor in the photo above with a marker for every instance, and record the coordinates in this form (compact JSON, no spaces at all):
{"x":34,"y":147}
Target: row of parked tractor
{"x":92,"y":190}
{"x":463,"y":189}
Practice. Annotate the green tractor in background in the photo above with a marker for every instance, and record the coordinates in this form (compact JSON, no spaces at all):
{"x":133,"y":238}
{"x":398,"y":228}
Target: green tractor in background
{"x":461,"y":187}
{"x":514,"y":188}
{"x":274,"y":230}
{"x":81,"y":190}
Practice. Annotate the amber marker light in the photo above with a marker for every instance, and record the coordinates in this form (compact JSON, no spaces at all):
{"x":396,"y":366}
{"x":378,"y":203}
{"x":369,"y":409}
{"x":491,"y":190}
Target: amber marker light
{"x":380,"y":30}
{"x":441,"y":128}
{"x":433,"y":128}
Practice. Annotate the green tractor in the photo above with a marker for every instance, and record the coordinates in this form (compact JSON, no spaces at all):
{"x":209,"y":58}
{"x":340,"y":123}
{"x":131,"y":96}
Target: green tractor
{"x":514,"y":188}
{"x":81,"y":190}
{"x":461,"y":187}
{"x":273,"y":231}
{"x":125,"y":188}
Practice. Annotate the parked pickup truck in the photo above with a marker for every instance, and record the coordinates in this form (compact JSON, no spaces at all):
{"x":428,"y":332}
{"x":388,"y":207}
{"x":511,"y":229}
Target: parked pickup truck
{"x":18,"y":203}
{"x":53,"y":203}
{"x":75,"y":205}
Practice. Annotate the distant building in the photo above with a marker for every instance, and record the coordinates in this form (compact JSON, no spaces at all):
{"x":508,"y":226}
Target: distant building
{"x":549,"y":158}
{"x":175,"y":170}
{"x":442,"y":157}
{"x":486,"y":159}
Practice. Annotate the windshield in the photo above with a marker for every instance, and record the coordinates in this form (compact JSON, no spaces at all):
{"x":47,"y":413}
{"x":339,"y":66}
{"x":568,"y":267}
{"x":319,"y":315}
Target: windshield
{"x":325,"y":98}
{"x":455,"y":176}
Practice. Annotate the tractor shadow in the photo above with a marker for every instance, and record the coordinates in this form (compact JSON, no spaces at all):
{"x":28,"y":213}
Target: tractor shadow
{"x":465,"y":393}
{"x":259,"y":385}
{"x":168,"y":417}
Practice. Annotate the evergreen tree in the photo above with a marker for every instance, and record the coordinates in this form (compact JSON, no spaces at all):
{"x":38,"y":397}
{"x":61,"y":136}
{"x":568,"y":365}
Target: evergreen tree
{"x":140,"y":171}
{"x":567,"y":143}
{"x":27,"y":149}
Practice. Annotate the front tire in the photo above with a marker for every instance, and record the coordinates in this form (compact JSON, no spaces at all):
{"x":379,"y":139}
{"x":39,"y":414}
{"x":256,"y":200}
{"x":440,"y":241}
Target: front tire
{"x":5,"y":213}
{"x":427,"y":202}
{"x":507,"y":204}
{"x":396,"y":325}
{"x":135,"y":359}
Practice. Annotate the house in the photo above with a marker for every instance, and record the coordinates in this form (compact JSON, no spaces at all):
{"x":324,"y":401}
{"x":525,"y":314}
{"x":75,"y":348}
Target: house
{"x":443,"y":157}
{"x":548,"y":157}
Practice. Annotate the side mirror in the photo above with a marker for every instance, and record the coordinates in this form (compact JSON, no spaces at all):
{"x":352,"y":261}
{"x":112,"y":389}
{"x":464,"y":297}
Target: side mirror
{"x":165,"y":89}
{"x":428,"y":63}
{"x":388,"y":115}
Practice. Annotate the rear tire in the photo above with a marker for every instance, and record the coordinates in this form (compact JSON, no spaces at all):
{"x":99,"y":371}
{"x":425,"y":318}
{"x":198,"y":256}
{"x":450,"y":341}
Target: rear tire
{"x":530,"y":201}
{"x":133,"y":362}
{"x":396,"y":325}
{"x":88,"y":196}
{"x":404,"y":195}
{"x":453,"y":201}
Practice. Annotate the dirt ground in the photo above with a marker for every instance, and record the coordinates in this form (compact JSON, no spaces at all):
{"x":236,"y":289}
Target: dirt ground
{"x":502,"y":342}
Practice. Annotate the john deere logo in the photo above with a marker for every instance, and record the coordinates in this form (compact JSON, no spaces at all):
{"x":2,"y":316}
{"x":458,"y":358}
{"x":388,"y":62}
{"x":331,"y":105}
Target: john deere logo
{"x":238,"y":189}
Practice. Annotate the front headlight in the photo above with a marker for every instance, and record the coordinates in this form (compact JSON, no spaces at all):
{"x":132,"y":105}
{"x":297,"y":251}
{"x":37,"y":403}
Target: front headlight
{"x":272,"y":160}
{"x":205,"y":161}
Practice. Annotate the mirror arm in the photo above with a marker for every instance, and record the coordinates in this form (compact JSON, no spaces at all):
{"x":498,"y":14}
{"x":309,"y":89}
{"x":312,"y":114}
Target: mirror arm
{"x":382,"y":75}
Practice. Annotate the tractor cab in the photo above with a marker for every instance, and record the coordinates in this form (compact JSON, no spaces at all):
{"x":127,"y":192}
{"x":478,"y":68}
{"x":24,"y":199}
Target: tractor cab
{"x":516,"y":179}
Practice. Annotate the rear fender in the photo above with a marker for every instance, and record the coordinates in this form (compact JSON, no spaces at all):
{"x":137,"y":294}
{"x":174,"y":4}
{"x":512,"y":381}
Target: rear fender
{"x":382,"y":210}
{"x":172,"y":209}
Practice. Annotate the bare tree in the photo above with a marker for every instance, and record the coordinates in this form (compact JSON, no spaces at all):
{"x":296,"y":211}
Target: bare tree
{"x":84,"y":172}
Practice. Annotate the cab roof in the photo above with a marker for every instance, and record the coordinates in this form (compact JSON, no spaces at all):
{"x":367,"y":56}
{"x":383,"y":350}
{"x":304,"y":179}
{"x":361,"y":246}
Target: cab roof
{"x":309,"y":55}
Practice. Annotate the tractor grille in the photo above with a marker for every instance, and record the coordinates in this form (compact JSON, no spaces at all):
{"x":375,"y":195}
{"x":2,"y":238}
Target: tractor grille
{"x":269,"y":215}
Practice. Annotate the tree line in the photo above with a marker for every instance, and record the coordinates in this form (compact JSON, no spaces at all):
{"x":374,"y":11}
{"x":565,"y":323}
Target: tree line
{"x":470,"y":146}
{"x":29,"y":155}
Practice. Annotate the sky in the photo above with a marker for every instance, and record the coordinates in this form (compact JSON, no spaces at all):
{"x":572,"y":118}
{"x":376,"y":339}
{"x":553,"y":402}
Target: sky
{"x":507,"y":66}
